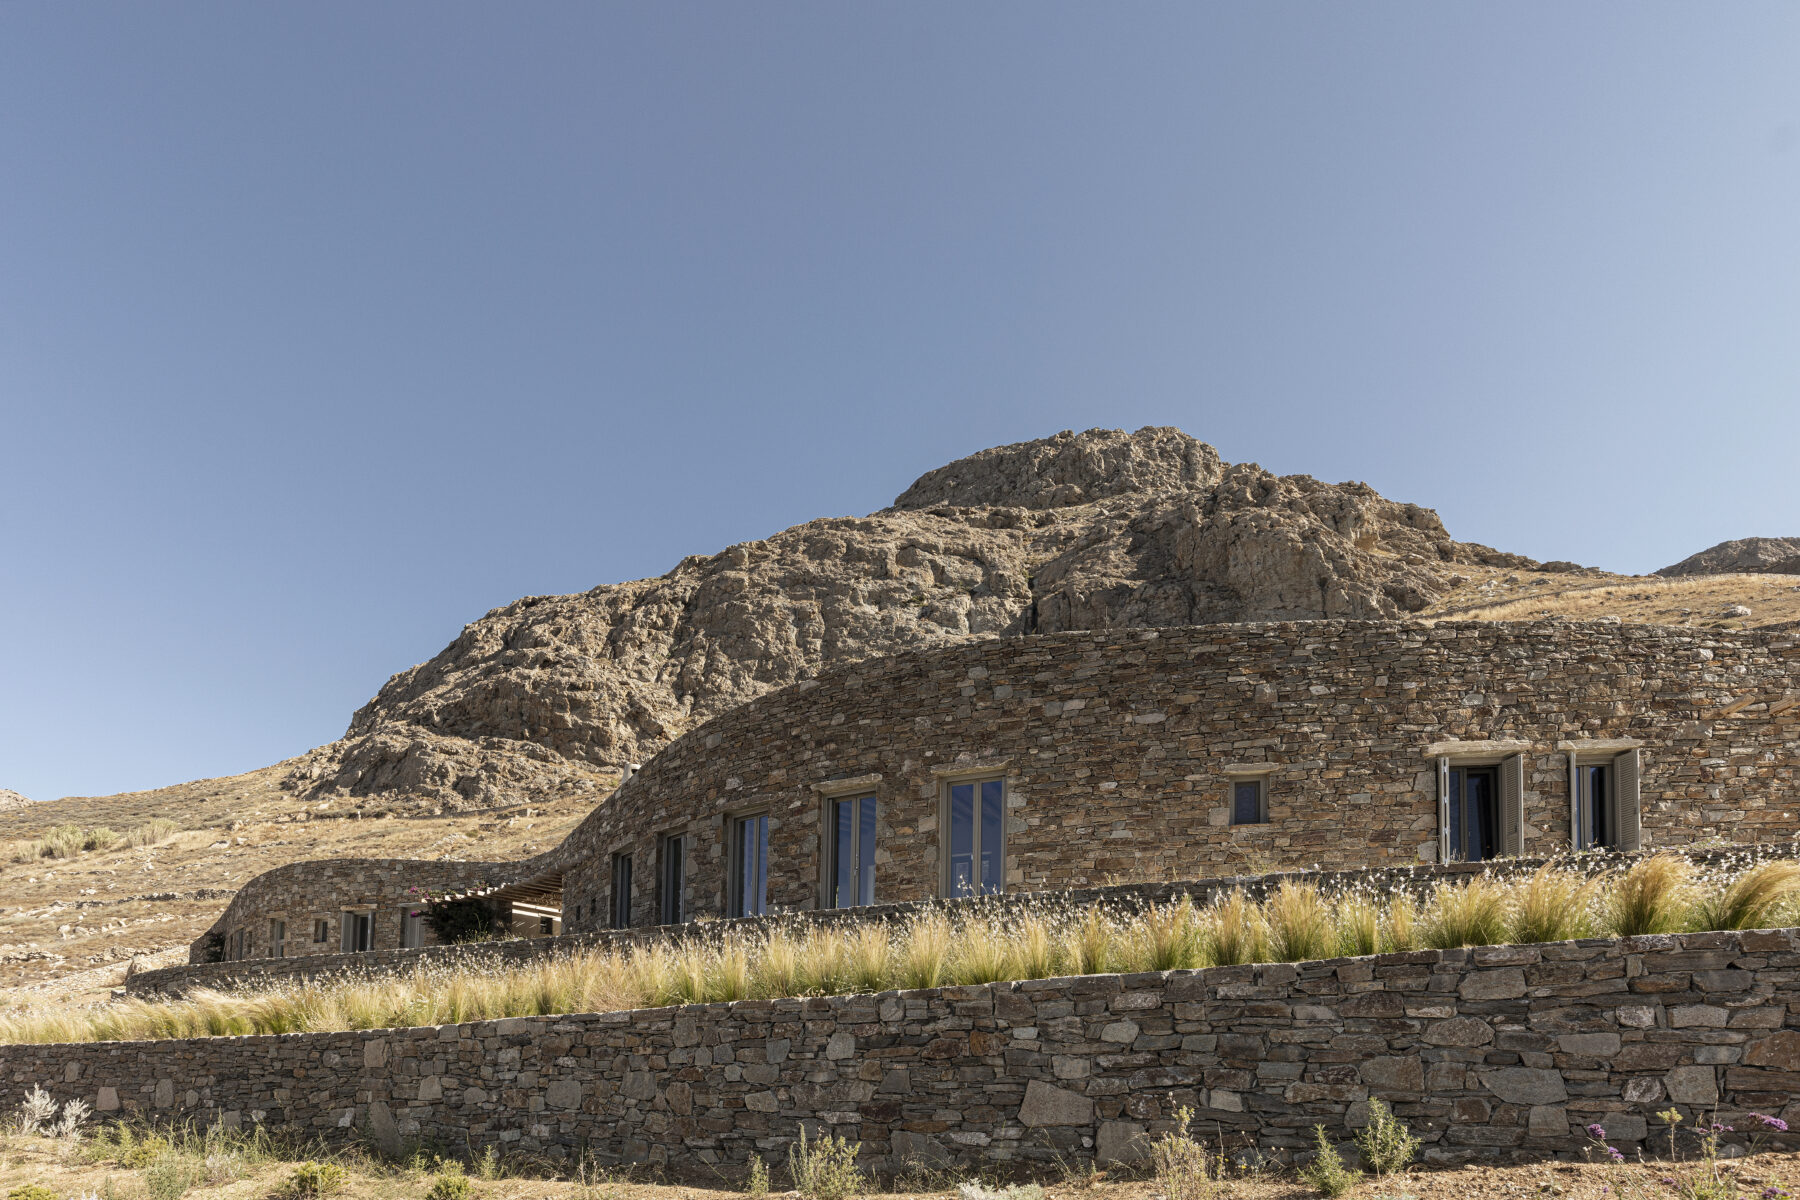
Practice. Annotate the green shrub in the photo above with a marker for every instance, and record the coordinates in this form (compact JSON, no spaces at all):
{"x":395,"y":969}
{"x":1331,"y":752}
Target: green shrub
{"x":31,"y":1191}
{"x":1327,"y":1171}
{"x":825,"y":1169}
{"x":450,"y":1185}
{"x":311,"y":1179}
{"x":756,"y":1180}
{"x":169,"y":1176}
{"x":1386,"y":1144}
{"x":138,"y":1152}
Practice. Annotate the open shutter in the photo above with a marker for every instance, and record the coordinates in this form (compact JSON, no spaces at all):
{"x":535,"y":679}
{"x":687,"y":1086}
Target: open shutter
{"x":1574,"y":803}
{"x":1627,"y":811}
{"x":1512,"y":805}
{"x":1444,"y":809}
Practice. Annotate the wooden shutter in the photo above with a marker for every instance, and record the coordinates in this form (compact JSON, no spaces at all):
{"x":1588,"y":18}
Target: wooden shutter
{"x":1512,"y":805}
{"x":1574,"y":802}
{"x":1444,"y":809}
{"x":1627,"y":811}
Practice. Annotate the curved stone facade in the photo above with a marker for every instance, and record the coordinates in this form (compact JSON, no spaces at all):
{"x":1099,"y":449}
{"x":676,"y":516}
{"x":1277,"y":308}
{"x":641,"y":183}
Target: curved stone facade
{"x":1118,"y":752}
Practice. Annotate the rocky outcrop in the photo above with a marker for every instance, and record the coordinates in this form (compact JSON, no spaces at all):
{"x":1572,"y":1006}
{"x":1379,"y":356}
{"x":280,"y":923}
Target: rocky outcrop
{"x":1760,"y":555}
{"x":1096,"y":530}
{"x":10,"y":800}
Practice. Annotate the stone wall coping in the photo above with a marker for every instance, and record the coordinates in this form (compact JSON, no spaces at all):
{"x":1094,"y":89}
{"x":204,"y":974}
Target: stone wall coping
{"x":991,"y":766}
{"x":1600,"y":745}
{"x":1478,"y":749}
{"x":840,"y":787}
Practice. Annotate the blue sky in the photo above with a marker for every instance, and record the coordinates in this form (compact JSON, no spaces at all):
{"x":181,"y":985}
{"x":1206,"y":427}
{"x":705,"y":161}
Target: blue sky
{"x":324,"y":328}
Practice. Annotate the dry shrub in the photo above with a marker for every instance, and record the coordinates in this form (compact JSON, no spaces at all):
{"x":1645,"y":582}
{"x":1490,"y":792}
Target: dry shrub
{"x":1235,"y":930}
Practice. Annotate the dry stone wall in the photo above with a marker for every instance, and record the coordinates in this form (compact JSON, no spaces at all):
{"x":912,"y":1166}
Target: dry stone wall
{"x":1119,"y":751}
{"x":1502,"y":1052}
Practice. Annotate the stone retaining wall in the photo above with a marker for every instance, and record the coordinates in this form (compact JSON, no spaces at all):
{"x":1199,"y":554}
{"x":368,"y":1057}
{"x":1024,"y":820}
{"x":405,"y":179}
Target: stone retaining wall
{"x":1502,"y":1052}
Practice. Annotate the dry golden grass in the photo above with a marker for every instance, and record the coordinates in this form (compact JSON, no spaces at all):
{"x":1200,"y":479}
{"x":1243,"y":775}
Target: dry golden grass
{"x":1698,"y":600}
{"x":1655,"y":895}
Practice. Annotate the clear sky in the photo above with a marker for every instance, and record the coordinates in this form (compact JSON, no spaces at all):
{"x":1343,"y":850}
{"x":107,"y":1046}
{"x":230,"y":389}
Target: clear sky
{"x":326,"y":327}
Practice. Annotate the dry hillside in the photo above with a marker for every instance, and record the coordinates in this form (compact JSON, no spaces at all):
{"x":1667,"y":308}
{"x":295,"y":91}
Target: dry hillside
{"x":517,"y":728}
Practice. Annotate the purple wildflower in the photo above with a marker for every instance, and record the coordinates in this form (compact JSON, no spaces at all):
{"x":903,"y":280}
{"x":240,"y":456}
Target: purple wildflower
{"x":1774,"y":1123}
{"x":1772,"y":1193}
{"x":1612,"y":1152}
{"x":1597,"y":1132}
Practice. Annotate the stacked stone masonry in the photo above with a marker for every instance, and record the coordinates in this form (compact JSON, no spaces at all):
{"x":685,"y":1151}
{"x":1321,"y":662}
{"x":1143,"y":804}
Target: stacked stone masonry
{"x":1502,"y":1052}
{"x":1119,"y":749}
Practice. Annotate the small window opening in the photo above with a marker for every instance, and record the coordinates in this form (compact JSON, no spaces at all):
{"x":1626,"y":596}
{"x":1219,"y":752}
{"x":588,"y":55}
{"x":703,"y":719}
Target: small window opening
{"x":1250,"y":802}
{"x":277,"y":939}
{"x":975,"y":821}
{"x":671,"y":900}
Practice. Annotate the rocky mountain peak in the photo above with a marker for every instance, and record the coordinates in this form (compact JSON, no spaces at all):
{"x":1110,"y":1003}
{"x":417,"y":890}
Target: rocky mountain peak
{"x":1095,"y":530}
{"x":1067,"y":470}
{"x":1762,"y":555}
{"x":10,"y":800}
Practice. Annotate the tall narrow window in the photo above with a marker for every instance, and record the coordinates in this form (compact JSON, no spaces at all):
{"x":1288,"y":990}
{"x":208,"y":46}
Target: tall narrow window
{"x":851,"y":852}
{"x":670,"y":901}
{"x":975,"y":819}
{"x":1473,"y":831}
{"x":1593,"y":802}
{"x":412,"y":926}
{"x":621,"y":891}
{"x":750,"y":866}
{"x":277,"y":938}
{"x":358,"y":931}
{"x":1249,"y":802}
{"x":321,"y":931}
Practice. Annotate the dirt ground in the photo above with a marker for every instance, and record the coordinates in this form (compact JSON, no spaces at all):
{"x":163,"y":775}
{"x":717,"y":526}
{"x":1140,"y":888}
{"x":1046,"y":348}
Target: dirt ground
{"x":69,"y":927}
{"x":61,"y":1168}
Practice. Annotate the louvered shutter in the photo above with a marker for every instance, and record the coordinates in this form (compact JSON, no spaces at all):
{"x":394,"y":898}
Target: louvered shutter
{"x":1627,"y":811}
{"x":1574,"y":803}
{"x":1444,"y":809}
{"x":1512,"y":805}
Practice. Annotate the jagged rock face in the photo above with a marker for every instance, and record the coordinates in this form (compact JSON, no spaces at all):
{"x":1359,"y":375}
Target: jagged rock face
{"x":1080,"y":531}
{"x":1776,"y":556}
{"x":11,"y":800}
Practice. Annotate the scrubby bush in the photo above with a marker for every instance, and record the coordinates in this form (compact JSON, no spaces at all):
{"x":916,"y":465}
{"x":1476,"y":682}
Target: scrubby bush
{"x":312,"y":1179}
{"x":1326,"y":1170}
{"x":1386,"y":1144}
{"x":824,"y":1169}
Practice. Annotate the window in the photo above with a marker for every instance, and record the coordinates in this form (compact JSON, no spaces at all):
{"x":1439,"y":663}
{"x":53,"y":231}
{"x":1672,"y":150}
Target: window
{"x":1481,"y":809}
{"x":850,"y":852}
{"x":1250,"y":801}
{"x":974,"y":819}
{"x":321,"y":931}
{"x":1593,"y":802}
{"x":1472,"y":816}
{"x":671,"y":906}
{"x":277,"y":939}
{"x":621,"y":891}
{"x":750,"y":866}
{"x":240,"y":944}
{"x":359,"y":931}
{"x":412,"y":927}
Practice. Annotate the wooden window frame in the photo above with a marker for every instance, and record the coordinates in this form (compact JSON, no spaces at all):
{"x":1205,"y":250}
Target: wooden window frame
{"x":620,"y":914}
{"x":671,"y":879}
{"x":975,"y":779}
{"x":734,"y":874}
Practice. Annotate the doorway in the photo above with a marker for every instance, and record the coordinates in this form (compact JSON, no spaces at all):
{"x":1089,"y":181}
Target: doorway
{"x":1474,"y":823}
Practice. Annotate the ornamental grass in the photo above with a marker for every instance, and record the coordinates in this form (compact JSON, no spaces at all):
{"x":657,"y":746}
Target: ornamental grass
{"x":1035,"y":939}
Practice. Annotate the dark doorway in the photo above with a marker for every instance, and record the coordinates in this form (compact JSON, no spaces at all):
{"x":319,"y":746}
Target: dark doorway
{"x":1474,"y":827}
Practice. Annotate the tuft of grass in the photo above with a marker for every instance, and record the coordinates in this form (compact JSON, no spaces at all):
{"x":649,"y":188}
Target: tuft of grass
{"x":1554,"y":905}
{"x":1086,"y":947}
{"x":1654,"y":896}
{"x":924,"y":957}
{"x":1299,"y":923}
{"x":1168,"y":937}
{"x":1761,"y":898}
{"x":1472,"y":914}
{"x":1236,"y":931}
{"x":1358,"y":926}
